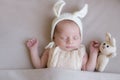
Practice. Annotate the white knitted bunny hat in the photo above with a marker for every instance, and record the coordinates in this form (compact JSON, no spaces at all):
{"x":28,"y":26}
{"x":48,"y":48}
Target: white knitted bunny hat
{"x":75,"y":17}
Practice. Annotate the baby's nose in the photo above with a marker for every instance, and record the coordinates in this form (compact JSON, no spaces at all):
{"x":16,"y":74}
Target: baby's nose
{"x":69,"y":41}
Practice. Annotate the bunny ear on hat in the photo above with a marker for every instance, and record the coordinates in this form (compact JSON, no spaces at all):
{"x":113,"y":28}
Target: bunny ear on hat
{"x":82,"y":13}
{"x":58,"y":7}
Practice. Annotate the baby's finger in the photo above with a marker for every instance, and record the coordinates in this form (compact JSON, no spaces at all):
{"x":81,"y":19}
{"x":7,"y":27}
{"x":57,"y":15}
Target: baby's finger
{"x":96,"y":42}
{"x":29,"y":44}
{"x":96,"y":45}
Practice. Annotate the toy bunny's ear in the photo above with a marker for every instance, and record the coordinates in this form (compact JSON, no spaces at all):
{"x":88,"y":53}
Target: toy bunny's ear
{"x":58,"y":7}
{"x":113,"y":42}
{"x":82,"y":13}
{"x":108,"y":37}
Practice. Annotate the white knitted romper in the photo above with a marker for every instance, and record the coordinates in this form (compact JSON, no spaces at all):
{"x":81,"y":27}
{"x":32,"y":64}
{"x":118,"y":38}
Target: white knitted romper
{"x":66,"y":59}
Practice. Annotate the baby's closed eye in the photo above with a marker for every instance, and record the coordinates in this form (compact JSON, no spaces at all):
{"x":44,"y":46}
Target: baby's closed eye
{"x":69,"y":38}
{"x":63,"y":37}
{"x":76,"y":37}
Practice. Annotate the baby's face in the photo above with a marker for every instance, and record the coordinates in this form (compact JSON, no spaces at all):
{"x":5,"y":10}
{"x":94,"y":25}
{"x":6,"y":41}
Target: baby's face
{"x":67,"y":35}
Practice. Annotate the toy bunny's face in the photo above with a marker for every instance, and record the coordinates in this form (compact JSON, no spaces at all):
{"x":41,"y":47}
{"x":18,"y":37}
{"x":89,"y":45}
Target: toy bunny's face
{"x":109,"y":46}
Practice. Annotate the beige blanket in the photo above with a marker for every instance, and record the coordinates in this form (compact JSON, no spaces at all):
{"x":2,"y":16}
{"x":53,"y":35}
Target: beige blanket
{"x":55,"y":74}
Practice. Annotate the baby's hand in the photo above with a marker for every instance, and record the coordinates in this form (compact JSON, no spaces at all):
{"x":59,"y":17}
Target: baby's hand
{"x":32,"y":44}
{"x":94,"y":46}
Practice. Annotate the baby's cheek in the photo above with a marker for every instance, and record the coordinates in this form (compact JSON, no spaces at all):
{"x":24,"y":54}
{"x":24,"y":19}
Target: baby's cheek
{"x":62,"y":44}
{"x":77,"y":45}
{"x":59,"y":43}
{"x":77,"y":42}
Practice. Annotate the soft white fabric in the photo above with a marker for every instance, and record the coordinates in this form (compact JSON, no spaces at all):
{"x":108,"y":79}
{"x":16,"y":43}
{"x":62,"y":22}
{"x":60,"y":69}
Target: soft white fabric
{"x":55,"y":74}
{"x":59,"y":58}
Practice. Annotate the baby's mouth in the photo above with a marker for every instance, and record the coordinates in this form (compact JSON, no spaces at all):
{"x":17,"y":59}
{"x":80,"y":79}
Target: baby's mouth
{"x":69,"y":47}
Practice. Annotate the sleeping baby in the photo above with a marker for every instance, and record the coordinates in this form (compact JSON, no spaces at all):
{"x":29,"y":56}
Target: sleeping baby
{"x":65,"y":49}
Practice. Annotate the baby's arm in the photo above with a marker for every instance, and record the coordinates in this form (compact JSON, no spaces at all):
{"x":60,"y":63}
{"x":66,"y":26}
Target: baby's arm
{"x":36,"y":60}
{"x":94,"y":49}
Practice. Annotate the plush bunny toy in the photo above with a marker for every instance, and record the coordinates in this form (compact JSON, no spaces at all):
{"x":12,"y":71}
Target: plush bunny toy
{"x":107,"y":50}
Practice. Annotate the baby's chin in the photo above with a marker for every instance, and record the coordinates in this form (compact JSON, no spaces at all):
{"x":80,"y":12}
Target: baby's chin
{"x":68,"y":49}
